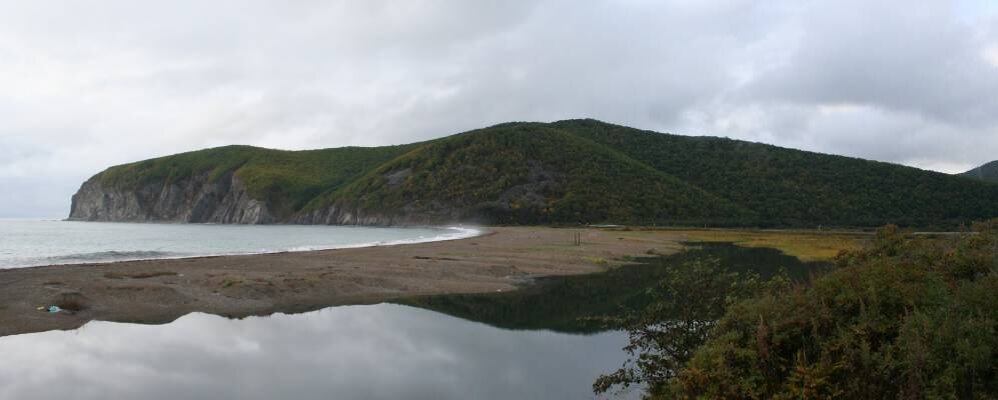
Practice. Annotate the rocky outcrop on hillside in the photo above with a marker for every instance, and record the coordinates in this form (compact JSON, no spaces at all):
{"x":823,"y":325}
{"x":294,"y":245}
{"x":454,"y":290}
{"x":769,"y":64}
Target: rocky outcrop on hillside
{"x":346,"y":215}
{"x":527,"y":195}
{"x":197,"y":199}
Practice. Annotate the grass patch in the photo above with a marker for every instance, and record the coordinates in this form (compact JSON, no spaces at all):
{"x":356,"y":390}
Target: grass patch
{"x":805,"y":245}
{"x":596,"y":260}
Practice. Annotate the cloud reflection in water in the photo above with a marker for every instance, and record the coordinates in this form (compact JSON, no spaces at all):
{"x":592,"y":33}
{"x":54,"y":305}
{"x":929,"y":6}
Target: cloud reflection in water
{"x":355,"y":352}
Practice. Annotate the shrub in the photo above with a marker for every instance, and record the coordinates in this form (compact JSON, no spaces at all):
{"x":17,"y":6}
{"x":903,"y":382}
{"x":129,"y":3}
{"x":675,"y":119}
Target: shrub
{"x":907,"y":317}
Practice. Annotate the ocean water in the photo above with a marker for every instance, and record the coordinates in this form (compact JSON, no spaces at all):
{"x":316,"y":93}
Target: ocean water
{"x":382,"y":351}
{"x":25,"y":243}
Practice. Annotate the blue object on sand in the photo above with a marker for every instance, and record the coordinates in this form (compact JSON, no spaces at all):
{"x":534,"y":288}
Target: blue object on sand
{"x":54,"y":309}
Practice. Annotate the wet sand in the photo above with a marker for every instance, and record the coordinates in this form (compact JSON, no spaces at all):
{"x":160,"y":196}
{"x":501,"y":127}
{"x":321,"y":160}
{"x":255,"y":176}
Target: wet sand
{"x":160,"y":291}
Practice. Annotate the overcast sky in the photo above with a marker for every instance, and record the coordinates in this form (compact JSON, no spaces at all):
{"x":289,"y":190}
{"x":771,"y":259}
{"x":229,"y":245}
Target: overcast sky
{"x":88,"y":84}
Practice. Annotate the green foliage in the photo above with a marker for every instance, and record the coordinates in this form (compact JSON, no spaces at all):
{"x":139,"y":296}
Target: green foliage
{"x":285,"y":180}
{"x":908,"y":317}
{"x":528,"y":173}
{"x":787,"y":187}
{"x":582,"y":171}
{"x":684,"y":306}
{"x":987,"y":172}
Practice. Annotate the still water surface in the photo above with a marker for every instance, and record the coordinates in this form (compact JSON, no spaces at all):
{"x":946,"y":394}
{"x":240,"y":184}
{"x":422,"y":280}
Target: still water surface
{"x":379,"y":351}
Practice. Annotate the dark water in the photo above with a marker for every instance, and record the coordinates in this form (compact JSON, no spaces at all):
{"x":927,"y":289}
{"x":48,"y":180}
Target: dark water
{"x":568,"y":304}
{"x":529,"y":344}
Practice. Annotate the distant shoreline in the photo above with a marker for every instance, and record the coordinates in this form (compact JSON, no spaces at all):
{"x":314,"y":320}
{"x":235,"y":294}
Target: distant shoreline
{"x":116,"y":255}
{"x":504,"y":258}
{"x":159,"y":291}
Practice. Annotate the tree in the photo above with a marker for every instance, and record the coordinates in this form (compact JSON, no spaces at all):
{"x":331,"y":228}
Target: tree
{"x":686,"y":304}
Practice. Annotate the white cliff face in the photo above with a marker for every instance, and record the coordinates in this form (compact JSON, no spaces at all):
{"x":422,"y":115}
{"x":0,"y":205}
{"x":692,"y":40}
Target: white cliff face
{"x":196,"y":199}
{"x":226,"y":201}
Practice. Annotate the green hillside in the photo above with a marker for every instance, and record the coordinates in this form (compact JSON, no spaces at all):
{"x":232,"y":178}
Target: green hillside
{"x":987,"y":172}
{"x":794,"y":187}
{"x":582,"y":171}
{"x":531,"y":173}
{"x":285,"y":180}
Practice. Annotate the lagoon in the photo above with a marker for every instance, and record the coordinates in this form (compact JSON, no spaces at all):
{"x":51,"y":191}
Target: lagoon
{"x":382,"y":351}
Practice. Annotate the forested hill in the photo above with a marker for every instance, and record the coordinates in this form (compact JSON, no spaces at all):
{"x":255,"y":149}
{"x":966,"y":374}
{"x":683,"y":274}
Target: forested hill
{"x":566,"y":172}
{"x":986,"y":172}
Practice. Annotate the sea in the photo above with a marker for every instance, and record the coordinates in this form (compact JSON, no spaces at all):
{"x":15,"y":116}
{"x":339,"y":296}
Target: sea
{"x":27,"y":243}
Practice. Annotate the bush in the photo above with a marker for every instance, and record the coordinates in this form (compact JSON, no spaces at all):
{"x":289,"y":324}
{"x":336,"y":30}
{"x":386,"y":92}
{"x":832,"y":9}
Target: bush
{"x":907,"y":317}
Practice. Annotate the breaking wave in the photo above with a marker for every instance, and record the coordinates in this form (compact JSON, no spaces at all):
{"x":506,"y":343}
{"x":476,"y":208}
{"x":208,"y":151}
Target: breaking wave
{"x":457,"y":232}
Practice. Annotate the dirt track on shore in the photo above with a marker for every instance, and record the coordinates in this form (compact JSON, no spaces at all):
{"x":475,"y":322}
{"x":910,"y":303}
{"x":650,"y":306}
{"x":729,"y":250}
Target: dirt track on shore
{"x":160,"y":291}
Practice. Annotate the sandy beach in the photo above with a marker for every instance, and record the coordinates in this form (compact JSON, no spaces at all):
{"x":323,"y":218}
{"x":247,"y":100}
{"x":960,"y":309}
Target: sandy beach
{"x":159,"y":291}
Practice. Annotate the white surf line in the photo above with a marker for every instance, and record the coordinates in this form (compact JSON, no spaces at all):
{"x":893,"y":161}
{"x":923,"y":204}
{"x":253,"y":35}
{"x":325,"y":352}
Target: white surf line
{"x":459,"y":232}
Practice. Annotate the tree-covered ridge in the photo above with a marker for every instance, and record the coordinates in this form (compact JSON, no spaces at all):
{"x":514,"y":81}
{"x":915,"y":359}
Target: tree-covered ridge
{"x":987,"y":172}
{"x":581,"y":171}
{"x":531,"y":173}
{"x":793,"y":187}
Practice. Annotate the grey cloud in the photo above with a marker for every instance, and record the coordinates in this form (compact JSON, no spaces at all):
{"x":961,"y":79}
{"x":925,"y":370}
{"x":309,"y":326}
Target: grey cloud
{"x":905,"y":59}
{"x":90,"y":86}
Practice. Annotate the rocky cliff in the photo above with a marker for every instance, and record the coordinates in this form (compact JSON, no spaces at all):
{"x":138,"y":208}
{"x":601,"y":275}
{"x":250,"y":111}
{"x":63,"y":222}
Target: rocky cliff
{"x":346,"y":213}
{"x":197,"y":199}
{"x":223,"y":200}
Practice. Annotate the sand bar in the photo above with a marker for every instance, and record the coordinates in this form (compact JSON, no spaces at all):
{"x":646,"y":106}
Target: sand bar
{"x":159,"y":291}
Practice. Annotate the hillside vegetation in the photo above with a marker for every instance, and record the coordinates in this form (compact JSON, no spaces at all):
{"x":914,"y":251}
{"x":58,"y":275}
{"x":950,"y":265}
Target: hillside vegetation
{"x":987,"y":172}
{"x":530,"y":173}
{"x":792,"y":187}
{"x":578,"y":171}
{"x":907,"y":317}
{"x":285,"y":180}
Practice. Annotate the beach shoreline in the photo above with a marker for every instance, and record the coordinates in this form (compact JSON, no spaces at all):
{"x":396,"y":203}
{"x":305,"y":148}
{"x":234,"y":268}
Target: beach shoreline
{"x":161,"y":290}
{"x":107,"y":248}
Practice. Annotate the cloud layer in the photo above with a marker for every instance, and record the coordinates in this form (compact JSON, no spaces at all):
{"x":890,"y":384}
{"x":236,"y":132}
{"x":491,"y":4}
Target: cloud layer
{"x":87,"y":86}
